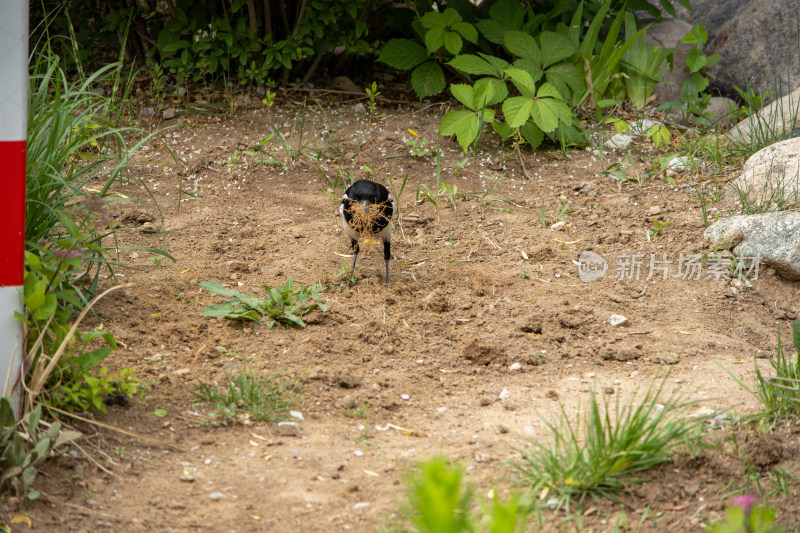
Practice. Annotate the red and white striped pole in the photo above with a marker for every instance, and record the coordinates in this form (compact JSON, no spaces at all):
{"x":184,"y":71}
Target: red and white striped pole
{"x":13,"y":141}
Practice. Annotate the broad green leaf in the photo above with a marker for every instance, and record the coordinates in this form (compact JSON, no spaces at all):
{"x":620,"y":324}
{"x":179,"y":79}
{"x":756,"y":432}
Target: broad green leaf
{"x":697,"y":35}
{"x":160,"y":412}
{"x":491,"y":30}
{"x":547,"y":90}
{"x":712,"y":60}
{"x":688,"y":90}
{"x":467,"y":31}
{"x":47,"y":309}
{"x":428,"y":79}
{"x":499,"y":64}
{"x":523,"y":45}
{"x":700,"y":81}
{"x":517,"y":110}
{"x":522,"y":80}
{"x":499,"y":90}
{"x":544,"y":114}
{"x":434,"y":39}
{"x":483,"y":92}
{"x":450,"y":17}
{"x":531,"y":67}
{"x":531,"y":133}
{"x":464,"y":94}
{"x":432,"y":19}
{"x":696,"y":59}
{"x":464,"y":124}
{"x":452,"y":42}
{"x":402,"y":54}
{"x":508,"y":13}
{"x":568,"y":80}
{"x":502,"y":129}
{"x":453,"y":121}
{"x":555,"y":47}
{"x":472,"y":64}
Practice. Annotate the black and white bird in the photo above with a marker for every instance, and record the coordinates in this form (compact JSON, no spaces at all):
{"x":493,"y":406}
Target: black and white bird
{"x":365,"y":193}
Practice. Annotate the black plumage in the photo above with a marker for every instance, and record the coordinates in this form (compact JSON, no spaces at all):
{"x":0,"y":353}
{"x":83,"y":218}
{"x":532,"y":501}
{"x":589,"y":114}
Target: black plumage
{"x":371,"y":220}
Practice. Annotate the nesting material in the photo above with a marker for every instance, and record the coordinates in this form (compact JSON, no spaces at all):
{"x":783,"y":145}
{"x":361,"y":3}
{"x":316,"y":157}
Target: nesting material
{"x":367,"y":222}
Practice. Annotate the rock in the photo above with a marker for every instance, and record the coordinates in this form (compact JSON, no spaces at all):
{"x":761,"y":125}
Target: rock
{"x":361,"y":505}
{"x":757,"y":40}
{"x":770,"y":173}
{"x":618,"y":320}
{"x":289,"y":429}
{"x":405,"y":397}
{"x":147,"y":112}
{"x":347,"y":380}
{"x":515,"y":367}
{"x":343,"y":83}
{"x":149,"y":227}
{"x":721,"y":111}
{"x":654,"y":211}
{"x":678,"y":164}
{"x":349,"y":402}
{"x":776,"y":117}
{"x":619,"y":141}
{"x":216,"y":496}
{"x":558,"y":225}
{"x":774,"y":237}
{"x":360,"y":109}
{"x":296,"y":414}
{"x":667,"y":33}
{"x":504,"y":394}
{"x":169,"y":113}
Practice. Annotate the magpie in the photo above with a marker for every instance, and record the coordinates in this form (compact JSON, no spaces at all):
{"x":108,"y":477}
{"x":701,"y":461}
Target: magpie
{"x":366,"y":209}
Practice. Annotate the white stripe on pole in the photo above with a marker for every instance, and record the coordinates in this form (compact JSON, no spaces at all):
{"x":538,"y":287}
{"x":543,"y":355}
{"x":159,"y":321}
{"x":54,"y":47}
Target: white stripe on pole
{"x":13,"y":136}
{"x":14,"y":70}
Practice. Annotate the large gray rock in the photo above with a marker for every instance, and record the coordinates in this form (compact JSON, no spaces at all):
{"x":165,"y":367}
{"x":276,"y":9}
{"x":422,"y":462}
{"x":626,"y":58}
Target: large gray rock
{"x":773,"y":119}
{"x":774,"y":237}
{"x":756,"y":37}
{"x":771,"y":175}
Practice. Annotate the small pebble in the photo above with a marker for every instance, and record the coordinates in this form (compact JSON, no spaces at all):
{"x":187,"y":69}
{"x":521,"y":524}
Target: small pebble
{"x":288,"y":429}
{"x":216,"y":496}
{"x":504,"y":394}
{"x":361,"y":505}
{"x":405,"y":397}
{"x":296,"y":414}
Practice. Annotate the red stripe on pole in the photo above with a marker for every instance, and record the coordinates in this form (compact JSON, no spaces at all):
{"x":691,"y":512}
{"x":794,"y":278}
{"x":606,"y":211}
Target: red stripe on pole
{"x":12,"y":212}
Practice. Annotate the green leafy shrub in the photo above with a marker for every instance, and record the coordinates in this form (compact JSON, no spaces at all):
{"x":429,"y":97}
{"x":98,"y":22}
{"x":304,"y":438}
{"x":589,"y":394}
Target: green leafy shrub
{"x":554,"y":62}
{"x":24,"y":445}
{"x":249,"y":41}
{"x":75,"y":142}
{"x":284,"y":304}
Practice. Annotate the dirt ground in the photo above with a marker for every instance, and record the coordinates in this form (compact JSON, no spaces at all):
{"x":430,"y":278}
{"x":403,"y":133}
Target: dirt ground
{"x":485,"y":328}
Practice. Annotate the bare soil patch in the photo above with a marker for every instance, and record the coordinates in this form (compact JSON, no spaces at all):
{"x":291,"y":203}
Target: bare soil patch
{"x":485,"y":297}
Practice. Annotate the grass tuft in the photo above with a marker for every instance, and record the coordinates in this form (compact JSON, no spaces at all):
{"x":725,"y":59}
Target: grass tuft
{"x":603,"y":454}
{"x":248,"y":396}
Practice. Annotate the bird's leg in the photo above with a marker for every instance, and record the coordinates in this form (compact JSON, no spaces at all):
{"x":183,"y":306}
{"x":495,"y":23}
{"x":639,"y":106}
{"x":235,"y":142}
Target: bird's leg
{"x":355,"y":256}
{"x":386,"y":255}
